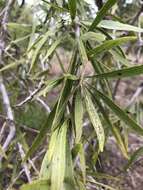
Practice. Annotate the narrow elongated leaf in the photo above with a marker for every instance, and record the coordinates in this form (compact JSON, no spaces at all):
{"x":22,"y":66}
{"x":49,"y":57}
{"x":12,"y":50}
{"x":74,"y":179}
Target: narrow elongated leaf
{"x":119,"y":58}
{"x":102,"y":12}
{"x":69,"y":172}
{"x":134,"y":157}
{"x":45,"y":172}
{"x":72,"y":8}
{"x":82,"y":51}
{"x":82,"y":162}
{"x":93,"y":36}
{"x":95,"y":120}
{"x":53,"y":47}
{"x":115,"y":25}
{"x":20,"y":39}
{"x":32,"y":36}
{"x":113,"y":129}
{"x":38,"y":48}
{"x":9,"y":66}
{"x":54,"y":163}
{"x":121,"y":73}
{"x":98,"y":67}
{"x":119,"y":112}
{"x":49,"y":86}
{"x":71,"y":77}
{"x":99,"y":175}
{"x":40,"y":137}
{"x":59,"y":159}
{"x":107,"y":45}
{"x":19,"y":27}
{"x":78,"y":116}
{"x":65,"y":92}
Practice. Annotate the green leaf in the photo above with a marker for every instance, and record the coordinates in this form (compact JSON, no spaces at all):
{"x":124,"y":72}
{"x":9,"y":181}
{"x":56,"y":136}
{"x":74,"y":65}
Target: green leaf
{"x":121,"y":73}
{"x":19,"y":27}
{"x":100,"y":176}
{"x":10,"y":66}
{"x":98,"y":67}
{"x":50,"y":84}
{"x":52,"y":48}
{"x":107,"y":45}
{"x":54,"y":163}
{"x":70,"y":76}
{"x":65,"y":92}
{"x":134,"y":157}
{"x":37,"y":185}
{"x":72,"y":8}
{"x":45,"y":172}
{"x":78,"y":115}
{"x":115,"y":131}
{"x":115,"y":25}
{"x":32,"y":35}
{"x":39,"y":47}
{"x":95,"y":120}
{"x":69,"y":172}
{"x":119,"y":58}
{"x":82,"y":52}
{"x":20,"y":39}
{"x":93,"y":36}
{"x":59,"y":159}
{"x":119,"y":112}
{"x":40,"y":137}
{"x":102,"y":12}
{"x":82,"y":162}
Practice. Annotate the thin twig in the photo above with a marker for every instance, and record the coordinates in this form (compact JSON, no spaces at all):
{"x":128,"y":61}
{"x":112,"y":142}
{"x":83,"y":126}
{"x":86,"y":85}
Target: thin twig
{"x":9,"y":113}
{"x":135,"y":95}
{"x":43,"y":104}
{"x":31,"y":96}
{"x":24,"y":165}
{"x":2,"y":131}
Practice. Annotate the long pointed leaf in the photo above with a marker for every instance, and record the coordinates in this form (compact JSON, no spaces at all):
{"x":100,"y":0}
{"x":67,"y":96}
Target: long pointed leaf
{"x":101,"y":14}
{"x":115,"y":25}
{"x":121,"y":73}
{"x":78,"y":116}
{"x":95,"y":120}
{"x":134,"y":157}
{"x":72,"y":8}
{"x":119,"y":112}
{"x":107,"y":45}
{"x":59,"y":159}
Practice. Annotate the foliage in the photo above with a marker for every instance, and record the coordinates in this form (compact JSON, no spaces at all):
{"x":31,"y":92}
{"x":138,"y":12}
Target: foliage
{"x":79,"y":96}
